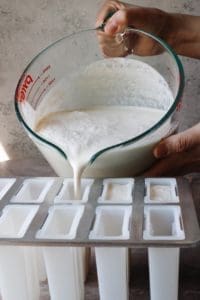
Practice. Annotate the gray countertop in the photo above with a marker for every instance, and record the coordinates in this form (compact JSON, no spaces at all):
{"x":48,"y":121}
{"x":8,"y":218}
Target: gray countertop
{"x":189,"y":287}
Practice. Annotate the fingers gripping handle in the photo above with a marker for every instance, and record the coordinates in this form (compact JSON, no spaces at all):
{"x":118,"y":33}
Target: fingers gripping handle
{"x":108,"y":16}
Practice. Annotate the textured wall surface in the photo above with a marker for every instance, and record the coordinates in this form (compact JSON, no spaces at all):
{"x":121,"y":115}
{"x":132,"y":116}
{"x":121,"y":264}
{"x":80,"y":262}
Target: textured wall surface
{"x":27,"y":26}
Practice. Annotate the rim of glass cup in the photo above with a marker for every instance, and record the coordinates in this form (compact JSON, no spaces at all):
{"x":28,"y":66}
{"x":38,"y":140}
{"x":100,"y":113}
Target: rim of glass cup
{"x":125,"y":143}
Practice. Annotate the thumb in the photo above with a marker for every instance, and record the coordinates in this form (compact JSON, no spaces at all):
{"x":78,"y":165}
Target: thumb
{"x":177,"y":143}
{"x":133,"y":16}
{"x":117,"y":23}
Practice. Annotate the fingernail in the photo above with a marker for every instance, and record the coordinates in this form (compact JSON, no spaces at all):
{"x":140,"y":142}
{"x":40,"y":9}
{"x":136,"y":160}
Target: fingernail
{"x":161,"y":151}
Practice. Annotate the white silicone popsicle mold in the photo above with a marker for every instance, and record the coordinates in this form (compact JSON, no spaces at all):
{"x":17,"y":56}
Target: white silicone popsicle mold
{"x":117,"y":190}
{"x":5,"y":185}
{"x":47,"y":216}
{"x":163,"y":223}
{"x":163,"y":273}
{"x":62,"y":222}
{"x":64,"y":265}
{"x":112,"y":263}
{"x":66,"y":193}
{"x":111,"y":223}
{"x":33,"y":190}
{"x":16,"y":219}
{"x":161,"y":190}
{"x":17,"y":262}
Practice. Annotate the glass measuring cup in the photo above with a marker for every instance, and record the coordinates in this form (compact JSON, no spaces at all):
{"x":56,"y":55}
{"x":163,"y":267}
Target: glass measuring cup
{"x":64,"y":59}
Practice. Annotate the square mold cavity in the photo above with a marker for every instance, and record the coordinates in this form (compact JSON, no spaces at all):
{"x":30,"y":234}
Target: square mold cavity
{"x":33,"y":190}
{"x":163,"y":223}
{"x":117,"y":190}
{"x":62,"y":222}
{"x":161,"y":190}
{"x":16,"y":219}
{"x":112,"y":222}
{"x":5,"y":185}
{"x":66,"y":193}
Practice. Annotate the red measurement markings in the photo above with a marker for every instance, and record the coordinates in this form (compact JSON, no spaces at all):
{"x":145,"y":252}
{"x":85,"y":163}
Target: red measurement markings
{"x":38,"y":100}
{"x":51,"y":82}
{"x":36,"y":80}
{"x":21,"y":94}
{"x":33,"y":86}
{"x":31,"y":101}
{"x":46,"y":69}
{"x":39,"y":97}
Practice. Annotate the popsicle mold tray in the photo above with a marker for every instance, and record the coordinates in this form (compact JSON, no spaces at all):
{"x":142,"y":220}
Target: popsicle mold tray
{"x":139,"y":212}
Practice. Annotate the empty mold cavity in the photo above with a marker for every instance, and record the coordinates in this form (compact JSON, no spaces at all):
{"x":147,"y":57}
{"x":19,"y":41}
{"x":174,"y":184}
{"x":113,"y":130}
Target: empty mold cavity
{"x":16,"y":219}
{"x":111,"y":222}
{"x":161,"y":190}
{"x":66,"y":193}
{"x":33,"y":190}
{"x":62,"y":222}
{"x":118,"y":190}
{"x":5,"y":185}
{"x":163,"y":222}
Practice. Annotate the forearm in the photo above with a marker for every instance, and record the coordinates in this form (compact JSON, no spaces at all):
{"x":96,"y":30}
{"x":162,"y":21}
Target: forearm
{"x":183,"y":34}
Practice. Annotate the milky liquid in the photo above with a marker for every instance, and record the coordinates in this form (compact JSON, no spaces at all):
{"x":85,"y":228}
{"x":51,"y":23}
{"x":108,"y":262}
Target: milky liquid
{"x":160,"y":192}
{"x":117,"y":192}
{"x":83,"y":132}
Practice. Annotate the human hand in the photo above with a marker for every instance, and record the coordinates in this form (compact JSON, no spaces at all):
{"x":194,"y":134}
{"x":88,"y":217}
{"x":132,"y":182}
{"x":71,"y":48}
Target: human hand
{"x":148,"y":19}
{"x":180,"y":31}
{"x":178,"y":154}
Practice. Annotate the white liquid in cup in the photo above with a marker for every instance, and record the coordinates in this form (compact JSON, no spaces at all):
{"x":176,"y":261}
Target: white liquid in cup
{"x":82,"y":132}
